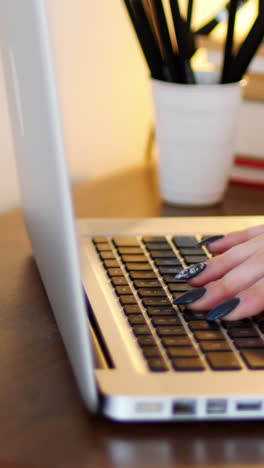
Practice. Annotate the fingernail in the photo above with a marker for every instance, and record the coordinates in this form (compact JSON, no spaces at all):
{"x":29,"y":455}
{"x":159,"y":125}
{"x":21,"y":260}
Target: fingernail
{"x":191,"y":271}
{"x":223,"y":309}
{"x":190,"y":296}
{"x":209,"y":240}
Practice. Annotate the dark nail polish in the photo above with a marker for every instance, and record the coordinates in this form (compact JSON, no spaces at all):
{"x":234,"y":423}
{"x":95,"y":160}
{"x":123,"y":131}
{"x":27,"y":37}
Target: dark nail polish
{"x":191,"y":271}
{"x":223,"y":309}
{"x":209,"y":240}
{"x":190,"y":296}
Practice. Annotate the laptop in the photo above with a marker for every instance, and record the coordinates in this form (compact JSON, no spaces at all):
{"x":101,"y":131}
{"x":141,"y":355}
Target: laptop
{"x":111,"y":283}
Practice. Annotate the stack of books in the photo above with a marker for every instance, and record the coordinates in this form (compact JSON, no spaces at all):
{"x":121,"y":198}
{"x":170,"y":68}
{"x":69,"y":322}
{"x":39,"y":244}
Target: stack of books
{"x":248,"y":171}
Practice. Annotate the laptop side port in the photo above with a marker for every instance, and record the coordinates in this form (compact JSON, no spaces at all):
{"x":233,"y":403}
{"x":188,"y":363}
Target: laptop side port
{"x":183,"y":408}
{"x":216,"y":406}
{"x":249,"y":406}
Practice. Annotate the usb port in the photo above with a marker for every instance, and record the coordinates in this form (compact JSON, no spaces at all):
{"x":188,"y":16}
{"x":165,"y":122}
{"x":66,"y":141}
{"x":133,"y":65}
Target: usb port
{"x":249,"y":406}
{"x":216,"y":406}
{"x":183,"y":408}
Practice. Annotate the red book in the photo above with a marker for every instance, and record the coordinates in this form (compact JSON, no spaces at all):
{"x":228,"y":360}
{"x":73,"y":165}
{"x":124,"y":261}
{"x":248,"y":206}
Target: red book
{"x":248,"y":171}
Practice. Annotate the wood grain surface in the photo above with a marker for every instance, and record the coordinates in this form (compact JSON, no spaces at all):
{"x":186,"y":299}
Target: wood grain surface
{"x":43,"y":421}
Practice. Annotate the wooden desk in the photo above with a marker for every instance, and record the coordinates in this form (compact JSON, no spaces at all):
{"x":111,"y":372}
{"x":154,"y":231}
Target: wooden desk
{"x":43,"y":421}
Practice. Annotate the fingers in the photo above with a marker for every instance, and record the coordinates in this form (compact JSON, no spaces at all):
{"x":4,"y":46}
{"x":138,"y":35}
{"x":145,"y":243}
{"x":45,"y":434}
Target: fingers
{"x":230,"y":285}
{"x":220,"y":265}
{"x":248,"y":303}
{"x":235,"y":238}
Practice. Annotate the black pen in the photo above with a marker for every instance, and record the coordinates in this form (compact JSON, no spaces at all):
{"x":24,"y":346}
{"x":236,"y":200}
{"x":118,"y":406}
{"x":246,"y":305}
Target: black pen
{"x":189,"y":12}
{"x":181,"y":32}
{"x":260,"y":5}
{"x":160,"y":23}
{"x":248,"y":48}
{"x":228,"y":55}
{"x":145,"y":37}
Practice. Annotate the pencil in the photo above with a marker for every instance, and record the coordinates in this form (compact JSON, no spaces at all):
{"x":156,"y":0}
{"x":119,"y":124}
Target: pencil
{"x":159,"y":20}
{"x":146,"y":38}
{"x":248,"y":48}
{"x":182,"y":35}
{"x":228,"y":54}
{"x":189,"y":12}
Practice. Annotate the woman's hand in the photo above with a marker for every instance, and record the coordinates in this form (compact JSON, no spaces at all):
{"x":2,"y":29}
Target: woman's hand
{"x":231,"y":284}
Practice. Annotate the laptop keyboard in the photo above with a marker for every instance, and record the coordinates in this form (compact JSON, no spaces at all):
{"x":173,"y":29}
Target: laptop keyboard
{"x":142,"y":272}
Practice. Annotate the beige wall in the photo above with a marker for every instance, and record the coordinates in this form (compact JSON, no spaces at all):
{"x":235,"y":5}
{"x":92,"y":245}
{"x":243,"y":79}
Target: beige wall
{"x":104,"y":90}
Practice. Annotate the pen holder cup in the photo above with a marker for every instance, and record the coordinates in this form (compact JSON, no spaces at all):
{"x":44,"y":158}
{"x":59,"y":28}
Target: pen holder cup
{"x":195,"y":128}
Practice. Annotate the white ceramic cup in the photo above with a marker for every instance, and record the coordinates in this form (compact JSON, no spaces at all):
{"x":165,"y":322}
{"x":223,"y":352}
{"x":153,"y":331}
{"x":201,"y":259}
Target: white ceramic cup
{"x":195,"y":127}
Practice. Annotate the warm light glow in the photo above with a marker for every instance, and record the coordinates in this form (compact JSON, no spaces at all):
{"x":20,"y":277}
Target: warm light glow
{"x":200,"y":61}
{"x":206,"y":9}
{"x":203,"y":11}
{"x":244,"y":82}
{"x":245,"y":18}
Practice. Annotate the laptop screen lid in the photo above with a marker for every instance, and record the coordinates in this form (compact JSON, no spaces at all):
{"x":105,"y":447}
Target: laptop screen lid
{"x":45,"y":187}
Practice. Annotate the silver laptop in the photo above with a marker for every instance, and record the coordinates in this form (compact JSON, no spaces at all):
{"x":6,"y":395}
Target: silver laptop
{"x":111,"y":283}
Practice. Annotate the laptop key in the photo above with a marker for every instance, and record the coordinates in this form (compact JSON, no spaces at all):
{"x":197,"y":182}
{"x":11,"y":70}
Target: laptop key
{"x":170,"y":270}
{"x":187,"y":364}
{"x":207,"y":346}
{"x":242,"y":343}
{"x":123,"y":241}
{"x":104,"y":247}
{"x":138,"y":267}
{"x":134,"y":275}
{"x":111,"y":263}
{"x":151,"y":351}
{"x":121,"y":290}
{"x":176,"y":341}
{"x":208,"y":335}
{"x":119,"y":281}
{"x":179,"y":287}
{"x":99,"y":239}
{"x":127,"y":299}
{"x":190,"y":315}
{"x":108,"y":254}
{"x":147,"y":340}
{"x":132,"y":309}
{"x":202,"y":325}
{"x":169,"y":321}
{"x":156,"y":301}
{"x":223,"y":361}
{"x":130,"y":250}
{"x":151,"y":239}
{"x":192,"y":251}
{"x":185,"y":241}
{"x":192,"y":259}
{"x":245,"y":323}
{"x":162,"y":254}
{"x":171,"y":330}
{"x":167,"y":262}
{"x":243,"y":333}
{"x":134,"y":258}
{"x":148,"y":283}
{"x":171,"y":278}
{"x":141,"y":330}
{"x":182,"y":352}
{"x":152,"y":292}
{"x":254,"y":358}
{"x":157,"y":364}
{"x":112,"y":272}
{"x":136,"y":320}
{"x":158,"y":246}
{"x":161,"y":311}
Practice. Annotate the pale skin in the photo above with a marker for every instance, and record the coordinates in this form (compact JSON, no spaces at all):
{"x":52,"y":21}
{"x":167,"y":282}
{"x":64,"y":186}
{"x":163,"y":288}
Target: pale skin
{"x":236,"y":272}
